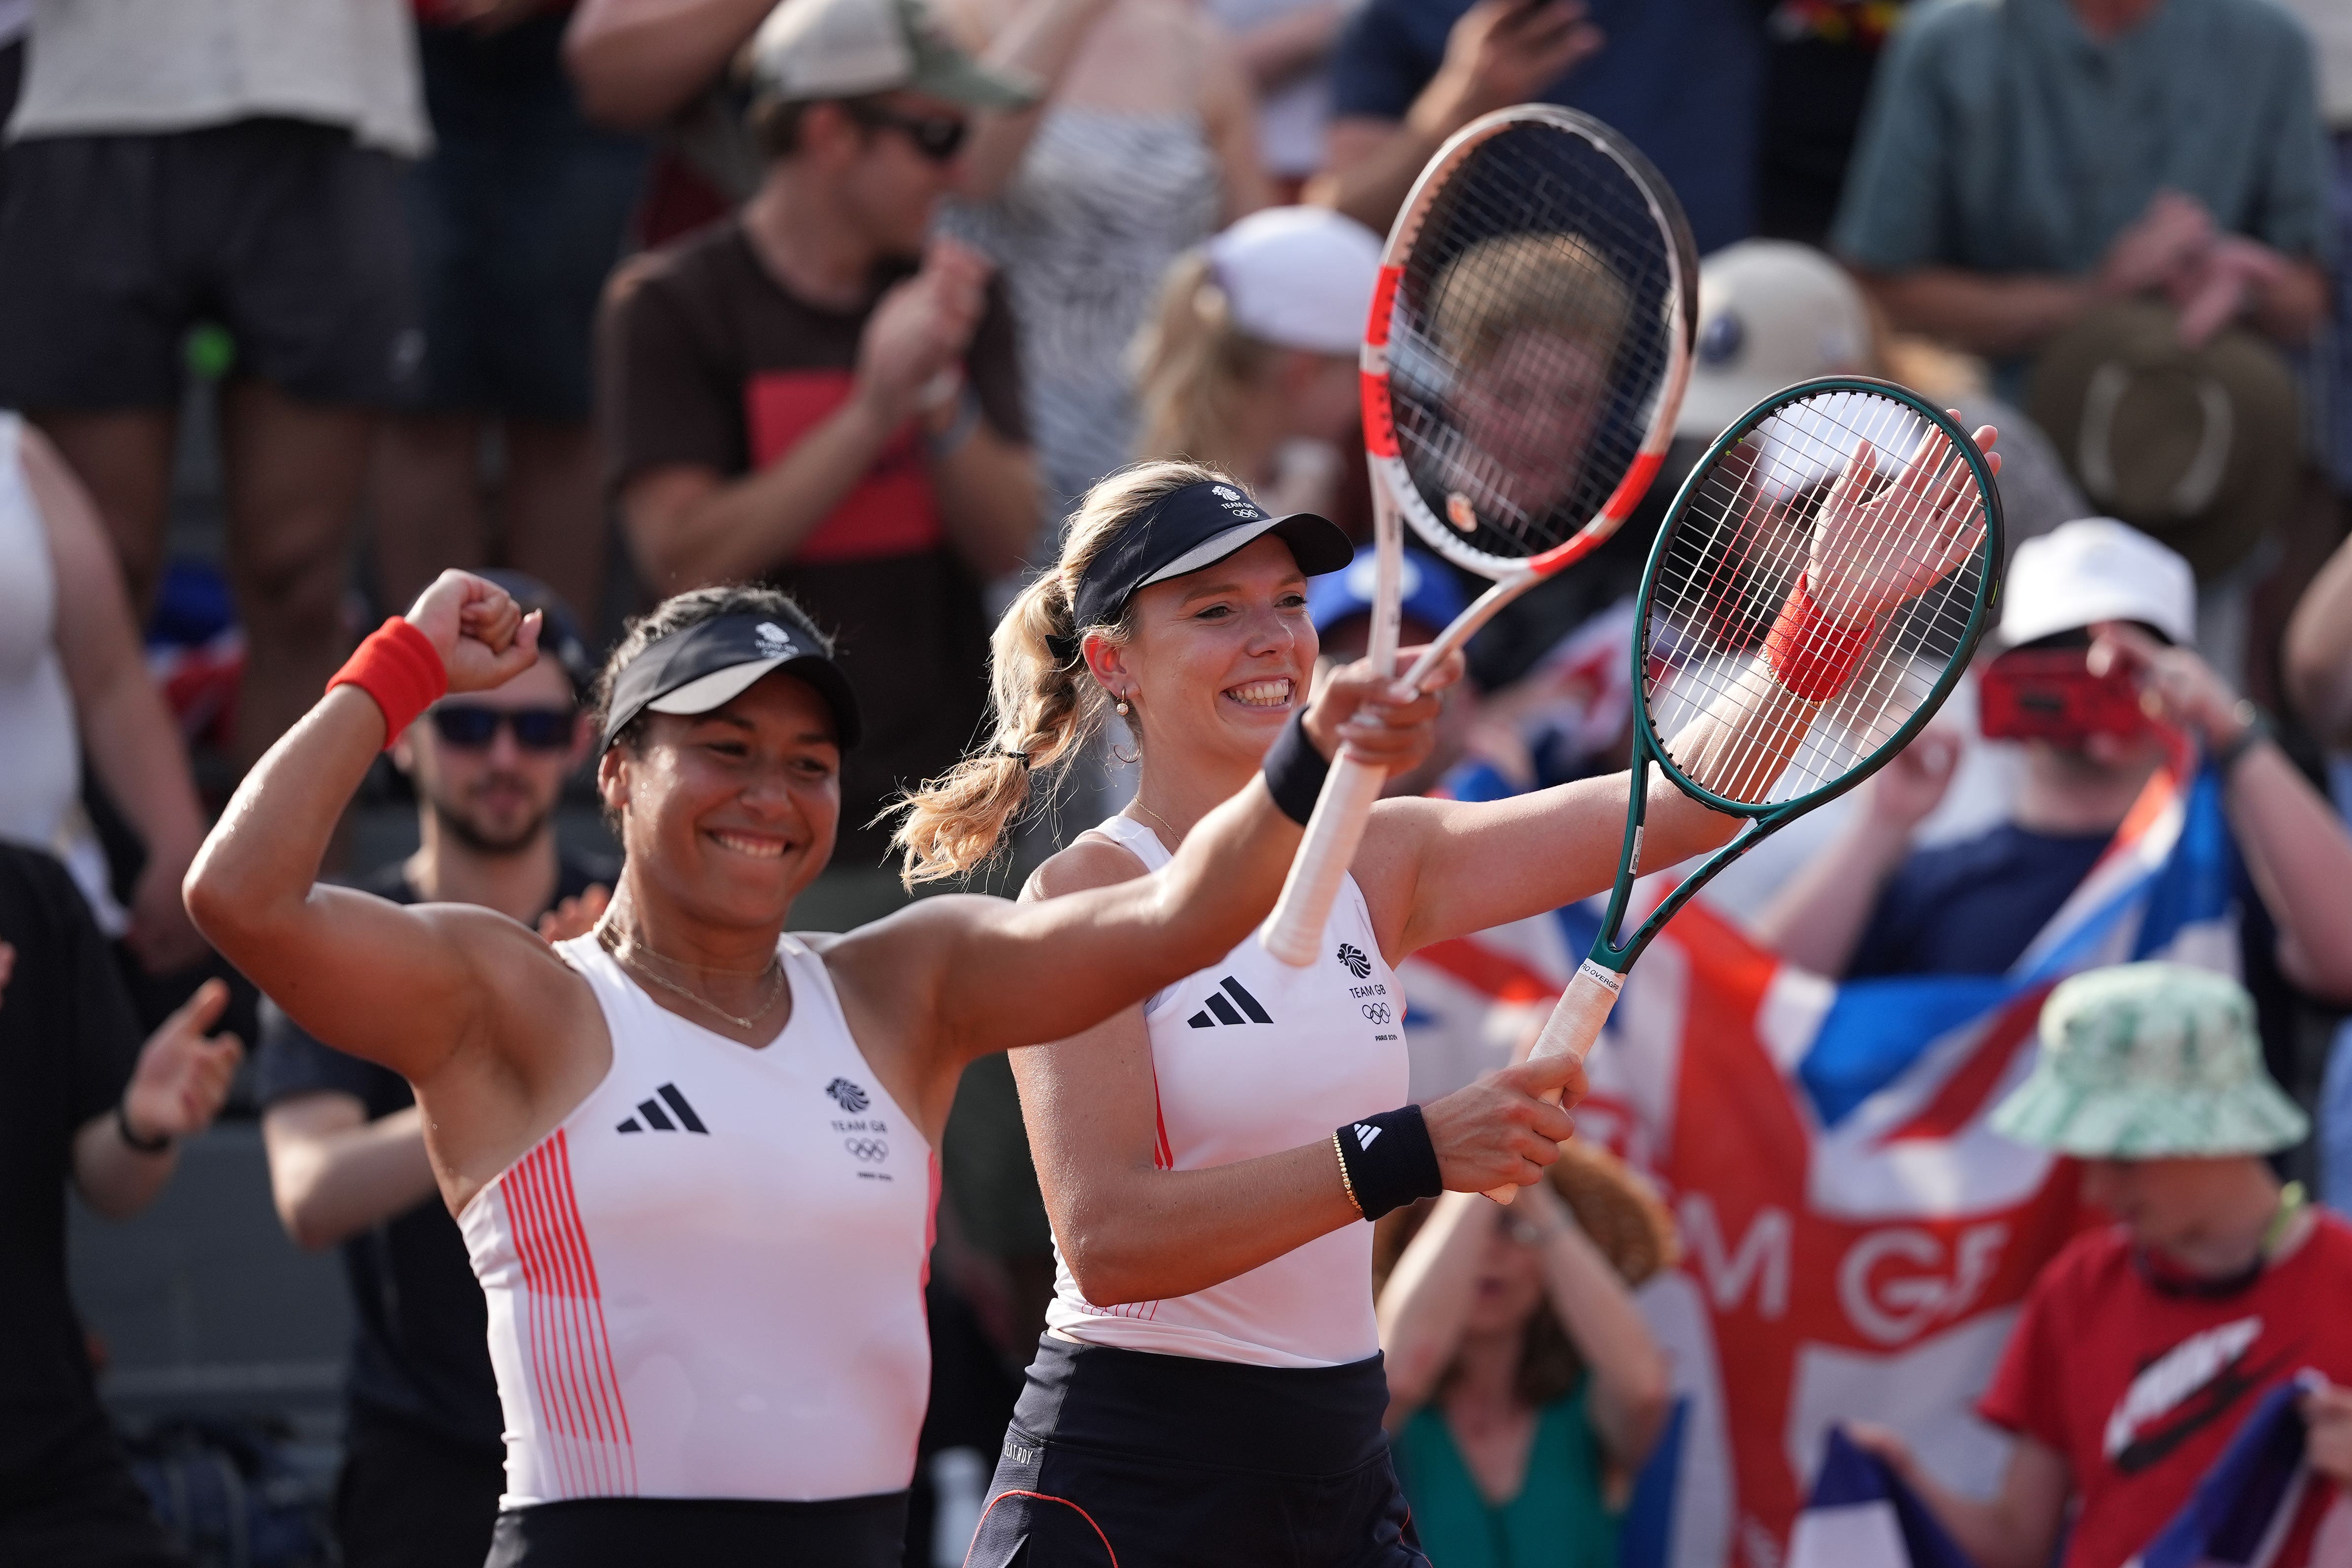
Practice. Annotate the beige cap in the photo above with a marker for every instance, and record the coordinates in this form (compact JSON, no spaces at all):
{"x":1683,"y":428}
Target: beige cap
{"x":811,"y":50}
{"x":1771,"y":314}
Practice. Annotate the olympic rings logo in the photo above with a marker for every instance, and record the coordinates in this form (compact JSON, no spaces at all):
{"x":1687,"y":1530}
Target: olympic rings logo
{"x":1376,"y":1012}
{"x":870,"y":1150}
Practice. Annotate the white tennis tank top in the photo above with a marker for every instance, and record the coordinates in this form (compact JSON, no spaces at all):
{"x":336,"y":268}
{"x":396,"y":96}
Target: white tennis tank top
{"x":707,"y":1281}
{"x":1251,"y":1056}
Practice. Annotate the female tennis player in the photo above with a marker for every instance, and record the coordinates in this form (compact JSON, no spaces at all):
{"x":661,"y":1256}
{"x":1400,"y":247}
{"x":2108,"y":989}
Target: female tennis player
{"x":1210,"y":1382}
{"x":692,"y":1155}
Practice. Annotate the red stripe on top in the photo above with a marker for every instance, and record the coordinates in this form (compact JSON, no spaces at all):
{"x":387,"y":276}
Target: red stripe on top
{"x":573,"y":1375}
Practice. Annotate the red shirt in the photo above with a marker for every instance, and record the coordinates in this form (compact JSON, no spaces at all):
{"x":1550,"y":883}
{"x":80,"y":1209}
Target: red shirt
{"x":2140,"y":1389}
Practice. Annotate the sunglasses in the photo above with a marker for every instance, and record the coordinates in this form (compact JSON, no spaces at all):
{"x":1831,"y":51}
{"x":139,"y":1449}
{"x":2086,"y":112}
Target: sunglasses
{"x":474,"y":729}
{"x":937,"y":137}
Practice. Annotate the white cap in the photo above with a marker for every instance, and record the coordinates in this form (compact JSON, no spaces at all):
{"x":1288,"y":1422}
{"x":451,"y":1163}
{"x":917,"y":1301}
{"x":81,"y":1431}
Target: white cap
{"x":2093,"y":569}
{"x":1299,"y":277}
{"x":809,"y":50}
{"x":1771,"y":314}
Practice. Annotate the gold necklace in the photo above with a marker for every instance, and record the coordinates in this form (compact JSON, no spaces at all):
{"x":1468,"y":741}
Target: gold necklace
{"x":1156,"y":817}
{"x":609,"y":938}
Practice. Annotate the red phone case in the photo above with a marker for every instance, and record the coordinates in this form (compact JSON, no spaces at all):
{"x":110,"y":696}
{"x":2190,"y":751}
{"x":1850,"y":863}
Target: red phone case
{"x":2050,"y":695}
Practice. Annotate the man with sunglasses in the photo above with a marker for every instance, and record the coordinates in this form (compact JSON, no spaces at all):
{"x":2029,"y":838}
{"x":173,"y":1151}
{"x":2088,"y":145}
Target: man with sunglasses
{"x":423,"y":1459}
{"x":817,"y":394}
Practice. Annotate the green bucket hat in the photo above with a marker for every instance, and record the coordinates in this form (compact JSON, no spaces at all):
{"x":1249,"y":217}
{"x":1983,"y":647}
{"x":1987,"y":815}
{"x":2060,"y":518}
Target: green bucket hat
{"x":2150,"y":1060}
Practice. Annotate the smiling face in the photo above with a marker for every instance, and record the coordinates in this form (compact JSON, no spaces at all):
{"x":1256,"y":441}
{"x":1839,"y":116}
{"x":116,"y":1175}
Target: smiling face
{"x":1528,"y":410}
{"x":1215,"y":661}
{"x":726,"y":816}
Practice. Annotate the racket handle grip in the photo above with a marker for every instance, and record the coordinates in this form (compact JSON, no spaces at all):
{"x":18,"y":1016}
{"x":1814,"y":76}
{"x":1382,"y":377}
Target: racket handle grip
{"x":1294,"y":931}
{"x":1575,"y":1023}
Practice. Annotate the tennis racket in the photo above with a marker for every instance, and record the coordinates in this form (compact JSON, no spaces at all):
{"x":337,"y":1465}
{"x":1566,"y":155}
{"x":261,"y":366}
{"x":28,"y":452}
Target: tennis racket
{"x":1522,"y":367}
{"x":1815,"y":593}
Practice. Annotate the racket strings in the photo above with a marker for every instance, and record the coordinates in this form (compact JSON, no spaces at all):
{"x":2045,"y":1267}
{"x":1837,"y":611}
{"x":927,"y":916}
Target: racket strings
{"x":1532,"y":339}
{"x":1913,"y":517}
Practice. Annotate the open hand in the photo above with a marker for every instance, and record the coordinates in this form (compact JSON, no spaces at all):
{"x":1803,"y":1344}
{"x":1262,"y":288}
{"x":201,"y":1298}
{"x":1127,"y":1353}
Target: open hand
{"x":1379,"y":720}
{"x":1502,"y":52}
{"x":575,"y":917}
{"x":1867,"y":556}
{"x":2327,"y":1411}
{"x":913,"y":344}
{"x":2158,"y":247}
{"x":183,"y":1077}
{"x":1906,"y":791}
{"x":481,"y":633}
{"x":1502,"y":1130}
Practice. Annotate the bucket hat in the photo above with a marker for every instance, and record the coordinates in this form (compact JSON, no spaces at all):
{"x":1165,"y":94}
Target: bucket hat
{"x":2149,"y":1062}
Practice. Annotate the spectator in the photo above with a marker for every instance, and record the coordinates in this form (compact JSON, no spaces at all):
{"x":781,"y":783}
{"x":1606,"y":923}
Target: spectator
{"x":178,"y":160}
{"x":2144,"y":1343}
{"x":1143,"y":146}
{"x":1679,"y":78}
{"x":2330,"y":26}
{"x":1430,"y":596}
{"x":81,"y":1100}
{"x":2124,"y":605}
{"x":1771,"y":314}
{"x":1285,"y":46}
{"x":1525,"y":1391}
{"x":787,"y":395}
{"x":2318,"y":669}
{"x":517,"y":216}
{"x":72,"y":680}
{"x":423,"y":1459}
{"x":2021,"y":163}
{"x":1249,"y":364}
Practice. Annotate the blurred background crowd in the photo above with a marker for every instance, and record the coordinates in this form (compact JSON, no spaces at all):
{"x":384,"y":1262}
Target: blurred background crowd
{"x":304,"y":301}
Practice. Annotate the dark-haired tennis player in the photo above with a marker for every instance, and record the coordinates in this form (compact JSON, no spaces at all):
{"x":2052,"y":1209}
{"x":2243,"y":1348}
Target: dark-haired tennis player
{"x":1208,"y":1389}
{"x":692,"y":1155}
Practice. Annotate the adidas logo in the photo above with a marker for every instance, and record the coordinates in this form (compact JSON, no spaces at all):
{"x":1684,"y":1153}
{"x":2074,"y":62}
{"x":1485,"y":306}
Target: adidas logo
{"x":1241,"y":1009}
{"x":1365,"y":1134}
{"x":848,"y":1096}
{"x":654,"y":1116}
{"x":1353,"y":957}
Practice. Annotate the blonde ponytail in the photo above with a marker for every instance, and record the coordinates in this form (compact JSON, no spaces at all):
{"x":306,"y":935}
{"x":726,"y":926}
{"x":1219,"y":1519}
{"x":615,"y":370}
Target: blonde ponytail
{"x":1192,"y":366}
{"x":1046,"y":706}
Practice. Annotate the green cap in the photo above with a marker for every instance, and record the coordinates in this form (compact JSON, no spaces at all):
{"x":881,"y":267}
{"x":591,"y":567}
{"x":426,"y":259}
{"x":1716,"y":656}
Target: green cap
{"x":2149,"y":1062}
{"x":811,"y":50}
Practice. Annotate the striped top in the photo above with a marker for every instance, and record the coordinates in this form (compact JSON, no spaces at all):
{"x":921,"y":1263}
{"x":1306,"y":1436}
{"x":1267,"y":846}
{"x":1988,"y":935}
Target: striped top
{"x":708,"y":1281}
{"x":1251,"y":1056}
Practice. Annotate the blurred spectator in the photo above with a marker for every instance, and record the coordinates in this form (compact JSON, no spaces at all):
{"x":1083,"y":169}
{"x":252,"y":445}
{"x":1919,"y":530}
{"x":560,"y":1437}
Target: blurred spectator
{"x":2144,"y":1343}
{"x":2329,"y":22}
{"x":2020,"y":163}
{"x":1525,"y":1391}
{"x":1286,"y":47}
{"x":1771,"y":314}
{"x":1143,"y":146}
{"x":1341,"y":605}
{"x":72,"y":680}
{"x":81,"y":1100}
{"x":517,"y":216}
{"x":662,"y":66}
{"x":1681,"y":80}
{"x":1249,"y":363}
{"x":423,"y":1459}
{"x":2093,"y":631}
{"x":787,"y":395}
{"x":1819,"y":56}
{"x":2318,"y":661}
{"x":174,"y":162}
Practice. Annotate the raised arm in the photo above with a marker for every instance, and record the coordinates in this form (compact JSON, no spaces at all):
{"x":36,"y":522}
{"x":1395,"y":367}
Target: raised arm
{"x":638,"y":62}
{"x":2318,"y":651}
{"x":1631,"y":1389}
{"x":403,"y":986}
{"x":1037,"y":43}
{"x":1427,"y":1299}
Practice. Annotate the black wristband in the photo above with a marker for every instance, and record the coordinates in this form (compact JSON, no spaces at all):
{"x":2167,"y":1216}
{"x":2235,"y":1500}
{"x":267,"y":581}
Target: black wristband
{"x":154,"y":1146}
{"x":1294,"y":770}
{"x":1390,"y":1161}
{"x":2254,"y":728}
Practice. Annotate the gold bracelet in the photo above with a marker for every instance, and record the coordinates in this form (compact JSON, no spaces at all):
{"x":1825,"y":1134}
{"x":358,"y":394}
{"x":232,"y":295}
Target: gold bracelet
{"x":1345,"y":1186}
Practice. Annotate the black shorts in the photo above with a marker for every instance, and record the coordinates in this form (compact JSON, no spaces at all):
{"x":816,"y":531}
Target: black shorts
{"x":637,"y":1533}
{"x":283,"y":231}
{"x":79,"y":1507}
{"x":411,"y":1498}
{"x":1119,"y":1459}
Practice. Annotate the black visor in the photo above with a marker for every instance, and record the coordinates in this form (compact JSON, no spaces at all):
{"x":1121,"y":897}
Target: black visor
{"x":710,"y":665}
{"x":1191,"y":527}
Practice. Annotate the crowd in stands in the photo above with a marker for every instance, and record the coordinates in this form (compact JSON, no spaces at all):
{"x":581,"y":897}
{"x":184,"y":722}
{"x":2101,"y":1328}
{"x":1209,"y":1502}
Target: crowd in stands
{"x":1999,"y":1116}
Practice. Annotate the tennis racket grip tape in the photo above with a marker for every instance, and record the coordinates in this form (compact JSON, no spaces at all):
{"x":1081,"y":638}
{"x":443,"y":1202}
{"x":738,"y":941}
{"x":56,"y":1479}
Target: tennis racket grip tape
{"x":1294,"y":931}
{"x":1575,"y":1023}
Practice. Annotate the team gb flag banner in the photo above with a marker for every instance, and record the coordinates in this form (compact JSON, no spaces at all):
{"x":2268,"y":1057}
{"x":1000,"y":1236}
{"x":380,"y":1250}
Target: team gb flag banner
{"x":1857,"y":1241}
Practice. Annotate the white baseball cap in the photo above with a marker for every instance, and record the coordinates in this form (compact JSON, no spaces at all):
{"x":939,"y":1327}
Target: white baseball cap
{"x":1299,"y":277}
{"x":811,"y":50}
{"x":1771,"y":314}
{"x":2093,"y":569}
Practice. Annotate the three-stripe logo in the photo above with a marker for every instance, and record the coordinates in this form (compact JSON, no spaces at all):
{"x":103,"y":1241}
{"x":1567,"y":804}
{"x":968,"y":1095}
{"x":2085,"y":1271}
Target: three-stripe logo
{"x":1241,"y":1007}
{"x":1365,"y":1134}
{"x":659,"y":1121}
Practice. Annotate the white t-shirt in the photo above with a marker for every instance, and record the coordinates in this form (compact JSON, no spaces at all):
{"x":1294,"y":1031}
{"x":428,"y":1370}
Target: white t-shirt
{"x":101,"y":67}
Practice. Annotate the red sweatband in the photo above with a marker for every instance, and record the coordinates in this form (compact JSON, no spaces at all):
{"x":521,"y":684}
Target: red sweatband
{"x":399,"y":667}
{"x":1811,"y":652}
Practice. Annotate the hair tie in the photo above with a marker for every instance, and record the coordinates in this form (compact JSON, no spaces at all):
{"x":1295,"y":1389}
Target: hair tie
{"x":1064,"y":647}
{"x":1017,"y":755}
